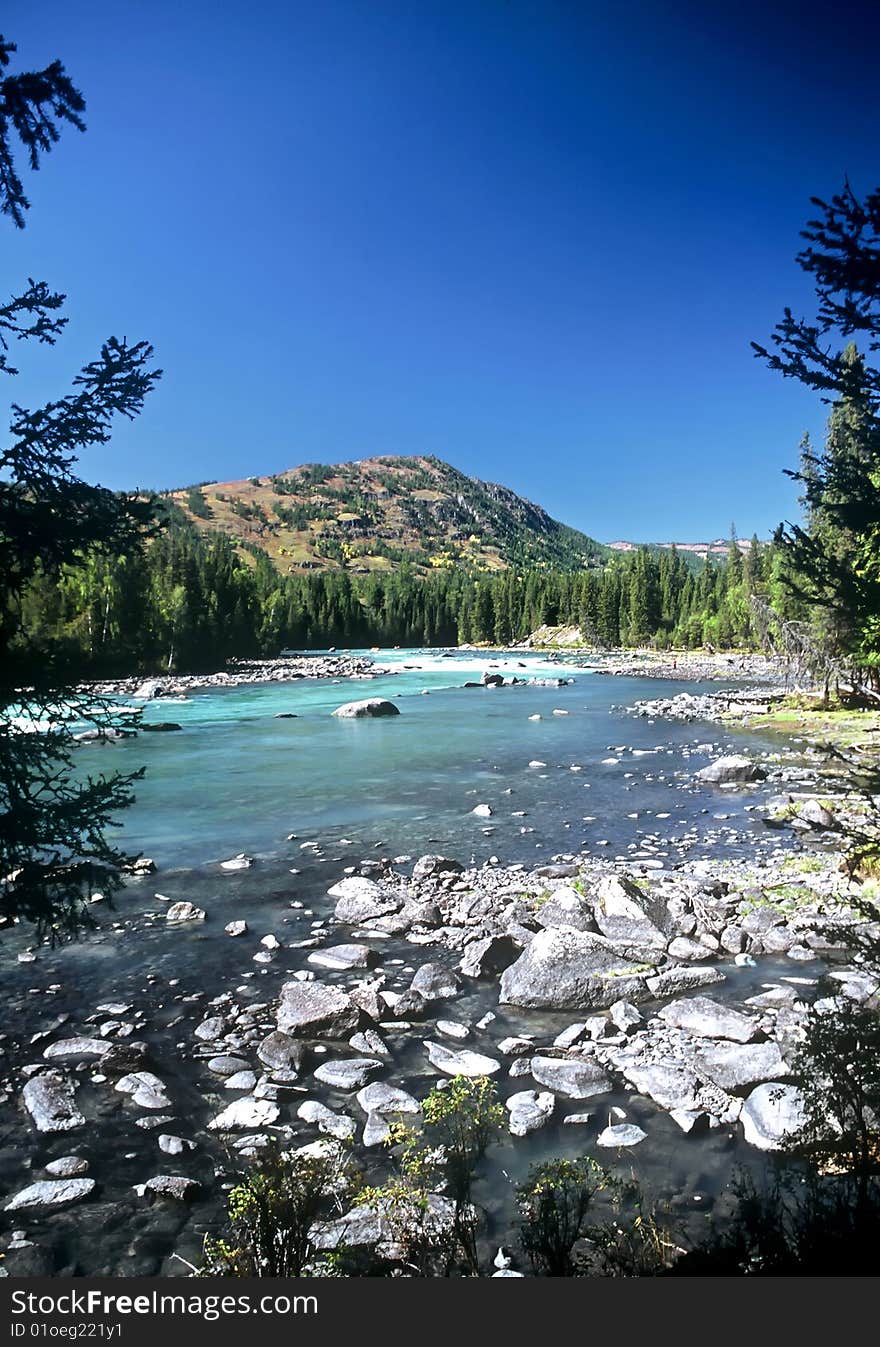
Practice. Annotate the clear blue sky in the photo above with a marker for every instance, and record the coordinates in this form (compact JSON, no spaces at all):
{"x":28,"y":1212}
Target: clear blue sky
{"x":534,"y":239}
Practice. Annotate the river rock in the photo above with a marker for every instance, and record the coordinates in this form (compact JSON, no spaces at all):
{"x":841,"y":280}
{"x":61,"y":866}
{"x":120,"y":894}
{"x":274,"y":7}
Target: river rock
{"x":670,"y":1084}
{"x":184,"y":911}
{"x":348,"y":1073}
{"x":628,"y":914}
{"x":244,"y":1115}
{"x":146,"y":1090}
{"x":460,"y":1063}
{"x":281,"y":1052}
{"x":705,"y":1018}
{"x":771,"y":1114}
{"x":175,"y":1186}
{"x":51,"y":1193}
{"x":360,"y":899}
{"x":49,"y":1099}
{"x":428,"y":867}
{"x":732,"y":1066}
{"x":370,"y":707}
{"x":315,"y":1009}
{"x":236,"y":928}
{"x":331,"y":1124}
{"x":239,"y":862}
{"x":673,"y":981}
{"x":226,"y":1065}
{"x":565,"y":969}
{"x":341,"y":958}
{"x":67,"y":1167}
{"x":731,"y":768}
{"x":386,"y":1100}
{"x":434,"y":982}
{"x":76,"y":1049}
{"x":623,"y":1134}
{"x":378,"y":1223}
{"x":488,"y":956}
{"x":574,"y":1077}
{"x":566,"y":907}
{"x":150,"y":688}
{"x":529,"y":1111}
{"x":172,"y":1145}
{"x":376,"y":1131}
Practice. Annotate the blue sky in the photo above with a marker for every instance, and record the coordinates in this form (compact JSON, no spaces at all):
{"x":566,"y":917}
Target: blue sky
{"x":534,"y":239}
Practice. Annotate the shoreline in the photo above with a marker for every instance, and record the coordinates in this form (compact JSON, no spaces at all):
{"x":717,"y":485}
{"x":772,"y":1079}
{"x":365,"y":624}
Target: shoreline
{"x":687,"y":666}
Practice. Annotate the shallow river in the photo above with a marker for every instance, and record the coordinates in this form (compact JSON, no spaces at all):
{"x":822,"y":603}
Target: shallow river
{"x":237,"y":778}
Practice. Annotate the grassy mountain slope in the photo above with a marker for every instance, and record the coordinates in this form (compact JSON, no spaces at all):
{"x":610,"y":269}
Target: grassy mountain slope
{"x":378,"y":513}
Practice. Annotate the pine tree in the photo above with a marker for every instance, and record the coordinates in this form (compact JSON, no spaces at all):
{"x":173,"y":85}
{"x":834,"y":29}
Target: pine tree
{"x":53,"y":847}
{"x":834,"y":554}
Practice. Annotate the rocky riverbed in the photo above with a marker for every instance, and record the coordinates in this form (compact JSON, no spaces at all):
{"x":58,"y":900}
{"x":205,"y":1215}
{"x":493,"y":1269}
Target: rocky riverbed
{"x":616,"y":1006}
{"x":634,"y":979}
{"x":241,"y":673}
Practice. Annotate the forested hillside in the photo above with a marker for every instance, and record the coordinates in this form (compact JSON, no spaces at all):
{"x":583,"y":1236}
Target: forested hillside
{"x":191,"y":601}
{"x":376,"y":514}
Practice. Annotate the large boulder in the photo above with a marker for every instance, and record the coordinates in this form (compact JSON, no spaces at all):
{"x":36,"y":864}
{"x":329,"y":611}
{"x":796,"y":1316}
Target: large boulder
{"x":628,"y":914}
{"x":576,"y":1077}
{"x":315,"y":1010}
{"x":771,"y":1114}
{"x":733,"y":768}
{"x":359,"y":899}
{"x":565,"y":969}
{"x":370,"y":707}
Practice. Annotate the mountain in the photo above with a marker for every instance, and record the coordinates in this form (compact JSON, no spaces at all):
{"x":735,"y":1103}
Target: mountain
{"x":378,"y":513}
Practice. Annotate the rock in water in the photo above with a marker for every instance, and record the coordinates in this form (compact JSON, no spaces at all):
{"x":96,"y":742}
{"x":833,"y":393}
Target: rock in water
{"x":348,"y":1073}
{"x":771,"y":1114}
{"x":49,"y":1099}
{"x":529,"y":1110}
{"x":488,"y":956}
{"x":359,"y":899}
{"x":245,"y":1114}
{"x":732,"y":768}
{"x":175,"y":1186}
{"x":565,"y":969}
{"x":386,"y":1100}
{"x":575,"y":1077}
{"x":624,"y":1134}
{"x":705,"y":1018}
{"x":462,"y":1063}
{"x":370,"y":707}
{"x":51,"y":1193}
{"x":316,"y":1009}
{"x":183,"y":911}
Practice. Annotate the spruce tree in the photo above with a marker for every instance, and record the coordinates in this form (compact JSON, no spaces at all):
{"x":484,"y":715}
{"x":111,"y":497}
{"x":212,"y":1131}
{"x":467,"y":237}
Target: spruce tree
{"x":54,"y":852}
